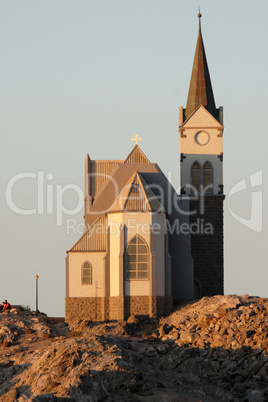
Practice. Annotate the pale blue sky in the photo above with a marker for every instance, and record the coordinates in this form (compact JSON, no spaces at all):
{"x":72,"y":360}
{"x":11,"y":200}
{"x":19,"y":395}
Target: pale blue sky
{"x":85,"y":76}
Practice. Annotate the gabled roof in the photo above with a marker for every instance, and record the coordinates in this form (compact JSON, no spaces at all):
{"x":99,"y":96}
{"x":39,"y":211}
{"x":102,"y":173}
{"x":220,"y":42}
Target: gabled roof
{"x":198,"y":119}
{"x":113,"y":187}
{"x":136,"y":156}
{"x":136,"y":196}
{"x":200,"y":90}
{"x":101,"y":170}
{"x":94,"y":239}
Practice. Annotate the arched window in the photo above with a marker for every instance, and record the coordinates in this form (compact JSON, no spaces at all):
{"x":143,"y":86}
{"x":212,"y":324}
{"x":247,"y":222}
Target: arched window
{"x":207,"y":177}
{"x":86,"y":273}
{"x":137,"y":259}
{"x":196,"y":177}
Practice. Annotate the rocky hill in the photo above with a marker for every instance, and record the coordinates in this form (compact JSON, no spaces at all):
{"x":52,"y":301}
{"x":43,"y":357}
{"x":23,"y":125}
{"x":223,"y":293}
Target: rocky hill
{"x":215,"y":349}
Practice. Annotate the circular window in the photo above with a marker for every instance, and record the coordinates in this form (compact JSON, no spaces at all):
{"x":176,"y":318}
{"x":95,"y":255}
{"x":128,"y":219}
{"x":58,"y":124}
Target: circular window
{"x":202,"y":138}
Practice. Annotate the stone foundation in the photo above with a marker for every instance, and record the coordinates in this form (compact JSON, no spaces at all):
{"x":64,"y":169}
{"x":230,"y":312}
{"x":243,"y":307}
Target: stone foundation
{"x":115,"y":308}
{"x":86,"y":308}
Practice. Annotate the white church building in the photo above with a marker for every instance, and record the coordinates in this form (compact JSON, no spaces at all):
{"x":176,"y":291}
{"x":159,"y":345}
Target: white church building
{"x":136,"y":255}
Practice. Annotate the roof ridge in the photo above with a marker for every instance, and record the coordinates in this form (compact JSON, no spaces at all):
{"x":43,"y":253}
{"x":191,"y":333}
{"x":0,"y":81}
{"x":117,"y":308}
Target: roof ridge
{"x":130,"y":181}
{"x":146,"y":188}
{"x":108,"y":160}
{"x":143,"y":189}
{"x":188,"y":118}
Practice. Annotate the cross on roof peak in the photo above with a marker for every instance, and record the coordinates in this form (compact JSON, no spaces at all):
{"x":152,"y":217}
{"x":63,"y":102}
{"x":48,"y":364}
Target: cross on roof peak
{"x":136,"y":138}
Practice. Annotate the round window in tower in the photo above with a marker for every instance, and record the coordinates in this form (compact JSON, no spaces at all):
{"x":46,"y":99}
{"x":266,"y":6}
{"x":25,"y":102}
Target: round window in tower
{"x":202,"y":138}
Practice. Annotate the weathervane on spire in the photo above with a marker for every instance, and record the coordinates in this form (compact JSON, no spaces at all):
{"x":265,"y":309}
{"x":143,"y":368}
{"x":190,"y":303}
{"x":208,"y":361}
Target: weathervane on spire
{"x":137,"y":139}
{"x":199,"y":15}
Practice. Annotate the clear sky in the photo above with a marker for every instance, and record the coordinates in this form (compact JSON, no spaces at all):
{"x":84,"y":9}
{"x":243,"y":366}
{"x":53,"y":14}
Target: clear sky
{"x":85,"y":76}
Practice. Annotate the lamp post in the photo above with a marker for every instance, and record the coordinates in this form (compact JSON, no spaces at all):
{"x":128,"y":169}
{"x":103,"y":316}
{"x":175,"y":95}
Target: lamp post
{"x":36,"y":292}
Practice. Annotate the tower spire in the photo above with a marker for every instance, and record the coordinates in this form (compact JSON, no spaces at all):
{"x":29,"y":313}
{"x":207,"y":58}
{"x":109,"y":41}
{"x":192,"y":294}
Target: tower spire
{"x":200,"y":90}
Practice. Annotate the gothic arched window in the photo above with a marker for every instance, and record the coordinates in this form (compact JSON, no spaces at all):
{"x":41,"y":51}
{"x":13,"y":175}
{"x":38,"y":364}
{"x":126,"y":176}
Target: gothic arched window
{"x":196,"y":176}
{"x":86,"y":273}
{"x":137,"y":259}
{"x":207,"y":178}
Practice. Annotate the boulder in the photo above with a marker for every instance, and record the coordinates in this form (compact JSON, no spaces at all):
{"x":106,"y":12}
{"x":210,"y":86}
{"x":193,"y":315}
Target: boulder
{"x":161,"y":349}
{"x":187,"y":337}
{"x":204,"y":320}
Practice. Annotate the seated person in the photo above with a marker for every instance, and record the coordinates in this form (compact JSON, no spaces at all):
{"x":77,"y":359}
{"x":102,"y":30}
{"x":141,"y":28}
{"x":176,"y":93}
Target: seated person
{"x":7,"y":306}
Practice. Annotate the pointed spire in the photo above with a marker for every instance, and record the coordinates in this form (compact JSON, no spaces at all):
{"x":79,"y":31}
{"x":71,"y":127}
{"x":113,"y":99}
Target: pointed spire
{"x":200,"y":90}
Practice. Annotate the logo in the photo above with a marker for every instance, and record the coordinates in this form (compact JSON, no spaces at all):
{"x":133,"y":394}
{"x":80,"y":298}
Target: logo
{"x":255,"y":220}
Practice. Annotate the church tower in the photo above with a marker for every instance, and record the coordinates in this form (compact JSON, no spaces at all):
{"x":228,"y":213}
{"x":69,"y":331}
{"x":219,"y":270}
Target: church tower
{"x":201,"y":163}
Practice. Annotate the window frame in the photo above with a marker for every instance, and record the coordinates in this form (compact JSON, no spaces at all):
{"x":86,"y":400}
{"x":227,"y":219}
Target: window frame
{"x":195,"y":190}
{"x":201,"y":188}
{"x":203,"y":176}
{"x":86,"y":276}
{"x":137,"y":257}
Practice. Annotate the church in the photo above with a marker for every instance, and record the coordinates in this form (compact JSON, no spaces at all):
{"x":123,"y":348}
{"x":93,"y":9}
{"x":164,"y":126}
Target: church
{"x":144,"y":245}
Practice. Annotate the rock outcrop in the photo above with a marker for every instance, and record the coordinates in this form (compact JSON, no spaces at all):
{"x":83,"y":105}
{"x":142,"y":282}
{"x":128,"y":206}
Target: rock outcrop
{"x":215,"y":349}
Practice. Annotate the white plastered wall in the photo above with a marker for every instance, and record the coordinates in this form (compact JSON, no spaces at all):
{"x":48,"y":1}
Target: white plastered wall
{"x":76,"y":260}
